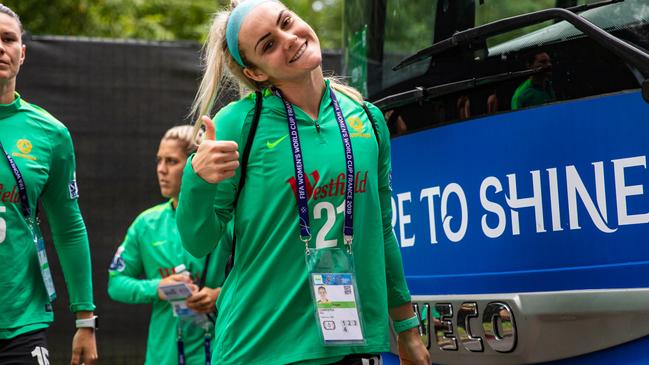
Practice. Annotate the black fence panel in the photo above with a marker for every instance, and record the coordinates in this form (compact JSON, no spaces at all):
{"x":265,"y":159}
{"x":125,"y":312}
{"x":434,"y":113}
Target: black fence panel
{"x":117,"y":98}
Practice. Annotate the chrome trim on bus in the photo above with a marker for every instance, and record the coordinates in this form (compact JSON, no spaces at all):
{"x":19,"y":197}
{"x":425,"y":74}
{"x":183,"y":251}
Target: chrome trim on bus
{"x":522,"y":328}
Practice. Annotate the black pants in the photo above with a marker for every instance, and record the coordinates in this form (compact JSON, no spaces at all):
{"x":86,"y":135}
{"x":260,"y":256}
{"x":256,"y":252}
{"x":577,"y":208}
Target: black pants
{"x":360,"y":359}
{"x":26,"y":349}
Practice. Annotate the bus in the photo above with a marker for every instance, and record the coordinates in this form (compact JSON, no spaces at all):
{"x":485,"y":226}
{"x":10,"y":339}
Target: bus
{"x":520,"y":136}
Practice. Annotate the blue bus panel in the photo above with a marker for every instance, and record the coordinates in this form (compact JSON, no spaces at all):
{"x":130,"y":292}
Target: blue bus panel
{"x":544,"y":199}
{"x":543,"y":213}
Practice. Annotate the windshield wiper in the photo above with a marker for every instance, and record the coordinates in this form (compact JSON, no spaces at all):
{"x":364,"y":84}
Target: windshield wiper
{"x":499,"y":27}
{"x":627,"y":52}
{"x":420,"y":94}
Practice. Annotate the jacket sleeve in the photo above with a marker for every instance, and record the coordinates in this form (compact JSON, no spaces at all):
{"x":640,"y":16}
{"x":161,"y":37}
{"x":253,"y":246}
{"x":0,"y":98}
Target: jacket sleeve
{"x":204,"y":209}
{"x":59,"y":199}
{"x":398,"y":293}
{"x":219,"y":259}
{"x":126,"y":268}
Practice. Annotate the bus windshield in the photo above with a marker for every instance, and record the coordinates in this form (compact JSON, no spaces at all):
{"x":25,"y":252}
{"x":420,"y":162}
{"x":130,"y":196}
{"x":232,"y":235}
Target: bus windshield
{"x":409,"y":26}
{"x":492,"y":10}
{"x":484,"y":74}
{"x":380,"y":34}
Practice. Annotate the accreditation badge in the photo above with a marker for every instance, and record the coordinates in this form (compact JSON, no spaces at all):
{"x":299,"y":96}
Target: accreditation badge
{"x":43,"y":263}
{"x":332,"y":281}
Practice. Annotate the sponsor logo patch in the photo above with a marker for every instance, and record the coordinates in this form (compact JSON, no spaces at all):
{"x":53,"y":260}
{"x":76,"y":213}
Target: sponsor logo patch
{"x":355,"y":123}
{"x":73,"y":188}
{"x":317,"y":189}
{"x":358,"y":128}
{"x":25,"y":147}
{"x":117,"y":264}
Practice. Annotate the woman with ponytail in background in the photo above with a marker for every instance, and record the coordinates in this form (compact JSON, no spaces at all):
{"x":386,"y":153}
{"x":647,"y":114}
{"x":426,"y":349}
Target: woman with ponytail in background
{"x":152,"y":257}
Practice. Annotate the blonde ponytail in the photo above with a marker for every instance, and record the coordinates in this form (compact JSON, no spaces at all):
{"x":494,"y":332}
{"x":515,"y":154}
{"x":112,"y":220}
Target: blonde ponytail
{"x":351,"y":92}
{"x":220,"y":71}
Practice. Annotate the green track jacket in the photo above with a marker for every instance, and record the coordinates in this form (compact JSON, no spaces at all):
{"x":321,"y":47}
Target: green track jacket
{"x":150,"y":252}
{"x":42,"y":148}
{"x":267,"y":315}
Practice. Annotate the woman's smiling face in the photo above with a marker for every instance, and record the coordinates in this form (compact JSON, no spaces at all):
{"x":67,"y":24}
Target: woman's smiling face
{"x":277,"y":44}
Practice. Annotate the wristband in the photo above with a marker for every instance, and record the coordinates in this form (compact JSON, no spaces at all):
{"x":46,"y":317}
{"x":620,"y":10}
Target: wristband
{"x":406,"y":324}
{"x":92,"y":322}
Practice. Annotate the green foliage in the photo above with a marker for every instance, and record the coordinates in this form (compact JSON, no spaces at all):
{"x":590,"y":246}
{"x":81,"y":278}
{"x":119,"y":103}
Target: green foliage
{"x":145,"y":19}
{"x":156,"y":19}
{"x":189,"y":19}
{"x":325,"y":16}
{"x":406,"y":30}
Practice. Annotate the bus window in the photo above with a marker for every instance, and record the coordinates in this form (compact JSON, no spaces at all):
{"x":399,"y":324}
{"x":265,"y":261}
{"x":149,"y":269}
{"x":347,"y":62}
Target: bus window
{"x":492,"y":10}
{"x":575,"y":60}
{"x":488,"y":76}
{"x":409,"y":26}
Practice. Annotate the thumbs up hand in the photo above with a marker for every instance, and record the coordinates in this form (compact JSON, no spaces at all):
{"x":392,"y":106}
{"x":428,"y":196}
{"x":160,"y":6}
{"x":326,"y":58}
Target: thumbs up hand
{"x":215,"y":160}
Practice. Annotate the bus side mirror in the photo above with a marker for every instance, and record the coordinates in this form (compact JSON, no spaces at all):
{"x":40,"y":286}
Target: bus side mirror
{"x":645,"y":90}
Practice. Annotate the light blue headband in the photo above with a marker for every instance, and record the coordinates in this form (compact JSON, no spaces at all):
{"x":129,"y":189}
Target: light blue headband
{"x":234,"y":26}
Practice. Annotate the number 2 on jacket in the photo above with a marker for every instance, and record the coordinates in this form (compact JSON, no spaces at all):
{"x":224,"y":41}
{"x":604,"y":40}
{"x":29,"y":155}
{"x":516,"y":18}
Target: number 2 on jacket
{"x":321,"y":240}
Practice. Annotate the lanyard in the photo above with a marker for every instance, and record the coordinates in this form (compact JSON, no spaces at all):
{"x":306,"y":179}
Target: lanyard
{"x":208,"y":350}
{"x":39,"y":243}
{"x":20,"y":182}
{"x":181,"y":346}
{"x":298,"y":162}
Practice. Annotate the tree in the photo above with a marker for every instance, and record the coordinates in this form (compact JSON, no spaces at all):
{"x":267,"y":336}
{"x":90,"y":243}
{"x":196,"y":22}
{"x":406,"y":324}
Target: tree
{"x":189,"y":19}
{"x":150,"y":19}
{"x":156,"y":19}
{"x":325,"y":16}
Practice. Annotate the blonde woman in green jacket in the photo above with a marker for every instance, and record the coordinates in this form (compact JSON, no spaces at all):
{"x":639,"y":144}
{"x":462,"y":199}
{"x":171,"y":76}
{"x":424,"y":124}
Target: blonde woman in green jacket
{"x":315,"y":209}
{"x":151,"y":256}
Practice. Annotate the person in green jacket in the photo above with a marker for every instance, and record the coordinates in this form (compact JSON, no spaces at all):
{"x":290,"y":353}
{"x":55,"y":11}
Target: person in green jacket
{"x":315,"y":148}
{"x":151,"y":256}
{"x":37,"y":163}
{"x":537,"y":89}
